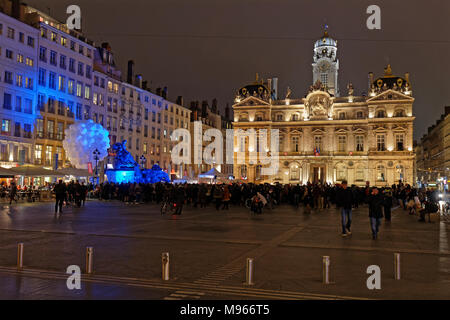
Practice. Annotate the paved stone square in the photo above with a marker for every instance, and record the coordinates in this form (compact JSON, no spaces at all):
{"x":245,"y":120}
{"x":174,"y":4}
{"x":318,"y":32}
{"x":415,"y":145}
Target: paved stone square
{"x":208,"y":251}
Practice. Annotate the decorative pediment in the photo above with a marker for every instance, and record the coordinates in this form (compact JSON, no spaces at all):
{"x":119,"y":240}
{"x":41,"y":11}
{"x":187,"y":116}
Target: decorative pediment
{"x":379,"y":129}
{"x":341,"y":130}
{"x":296,"y":131}
{"x":399,"y":128}
{"x":251,"y":101}
{"x":359,"y":130}
{"x":390,"y":95}
{"x":318,"y":131}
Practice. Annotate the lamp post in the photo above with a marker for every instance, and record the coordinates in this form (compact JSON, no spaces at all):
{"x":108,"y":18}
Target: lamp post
{"x":96,"y":154}
{"x":143,"y":160}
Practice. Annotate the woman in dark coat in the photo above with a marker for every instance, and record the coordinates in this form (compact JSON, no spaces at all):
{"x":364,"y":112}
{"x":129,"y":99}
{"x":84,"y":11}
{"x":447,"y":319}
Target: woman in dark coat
{"x":376,"y":201}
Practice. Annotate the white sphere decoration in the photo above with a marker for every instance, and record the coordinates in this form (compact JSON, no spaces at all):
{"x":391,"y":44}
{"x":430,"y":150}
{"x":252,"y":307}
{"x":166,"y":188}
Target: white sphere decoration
{"x":81,"y":139}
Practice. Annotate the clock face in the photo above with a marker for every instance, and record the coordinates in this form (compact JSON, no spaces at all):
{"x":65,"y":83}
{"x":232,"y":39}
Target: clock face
{"x":324,"y":66}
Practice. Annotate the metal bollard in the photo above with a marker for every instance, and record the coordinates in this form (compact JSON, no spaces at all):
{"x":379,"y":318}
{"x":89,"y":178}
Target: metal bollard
{"x":249,"y":273}
{"x":20,"y":256}
{"x":89,"y":260}
{"x":397,"y":266}
{"x":326,"y":269}
{"x":165,"y":266}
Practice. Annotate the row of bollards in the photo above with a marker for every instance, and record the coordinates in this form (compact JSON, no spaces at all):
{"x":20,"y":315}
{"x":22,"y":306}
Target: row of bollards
{"x":249,"y":274}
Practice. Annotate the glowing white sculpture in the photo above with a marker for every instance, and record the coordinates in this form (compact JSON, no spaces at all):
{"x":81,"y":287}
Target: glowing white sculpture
{"x":81,"y":139}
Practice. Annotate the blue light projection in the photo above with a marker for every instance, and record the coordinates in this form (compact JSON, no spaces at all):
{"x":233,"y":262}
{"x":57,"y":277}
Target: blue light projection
{"x":126,"y":169}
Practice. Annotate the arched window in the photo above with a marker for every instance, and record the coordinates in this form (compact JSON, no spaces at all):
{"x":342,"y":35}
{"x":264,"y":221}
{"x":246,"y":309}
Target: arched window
{"x":280,"y":117}
{"x":381,"y":113}
{"x":259,"y":117}
{"x":359,"y":115}
{"x":295,"y":117}
{"x":341,"y":115}
{"x":243,"y":117}
{"x":381,"y":173}
{"x":399,"y":113}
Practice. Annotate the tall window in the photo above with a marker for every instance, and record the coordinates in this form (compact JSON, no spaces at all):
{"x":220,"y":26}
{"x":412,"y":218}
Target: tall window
{"x":50,"y":129}
{"x":318,"y":142}
{"x":38,"y":153}
{"x":295,"y":144}
{"x":324,"y":79}
{"x":381,"y":174}
{"x":40,"y":128}
{"x":381,"y":146}
{"x":342,"y":143}
{"x":359,"y":140}
{"x":399,"y":142}
{"x":6,"y":125}
{"x":359,"y":175}
{"x":41,"y":80}
{"x":48,"y":155}
{"x":244,"y":171}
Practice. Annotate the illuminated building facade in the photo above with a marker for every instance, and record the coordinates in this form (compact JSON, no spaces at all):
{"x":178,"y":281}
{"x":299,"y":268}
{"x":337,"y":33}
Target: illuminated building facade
{"x":327,"y":137}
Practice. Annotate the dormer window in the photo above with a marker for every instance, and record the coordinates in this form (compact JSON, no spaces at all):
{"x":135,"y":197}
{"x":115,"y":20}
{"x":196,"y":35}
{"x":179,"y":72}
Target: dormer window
{"x":381,"y":114}
{"x":341,"y":115}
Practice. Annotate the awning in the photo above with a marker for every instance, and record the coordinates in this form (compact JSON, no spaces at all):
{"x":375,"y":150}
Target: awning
{"x":6,"y":173}
{"x":211,"y":174}
{"x":74,"y":172}
{"x":31,"y":171}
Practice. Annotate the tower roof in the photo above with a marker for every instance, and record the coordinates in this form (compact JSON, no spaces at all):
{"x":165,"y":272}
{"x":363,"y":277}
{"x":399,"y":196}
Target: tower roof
{"x":326,"y":40}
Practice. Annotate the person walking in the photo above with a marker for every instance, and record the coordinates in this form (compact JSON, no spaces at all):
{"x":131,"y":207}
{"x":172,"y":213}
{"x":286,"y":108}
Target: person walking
{"x":376,"y":201}
{"x":217,"y":195}
{"x":179,"y":200}
{"x":387,"y":204}
{"x":226,"y":198}
{"x":60,"y":194}
{"x":13,"y":193}
{"x":345,"y":201}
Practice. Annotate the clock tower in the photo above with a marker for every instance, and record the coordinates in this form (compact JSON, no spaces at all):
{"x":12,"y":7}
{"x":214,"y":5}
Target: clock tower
{"x":326,"y":64}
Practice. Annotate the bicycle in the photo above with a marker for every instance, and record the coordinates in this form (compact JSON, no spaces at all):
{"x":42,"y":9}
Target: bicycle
{"x":167,"y":206}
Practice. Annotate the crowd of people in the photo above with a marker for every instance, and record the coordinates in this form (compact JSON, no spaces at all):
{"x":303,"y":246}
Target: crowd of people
{"x":259,"y":197}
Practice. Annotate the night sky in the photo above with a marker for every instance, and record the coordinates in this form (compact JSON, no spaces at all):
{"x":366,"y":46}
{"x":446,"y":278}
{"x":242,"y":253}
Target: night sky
{"x":205,"y":49}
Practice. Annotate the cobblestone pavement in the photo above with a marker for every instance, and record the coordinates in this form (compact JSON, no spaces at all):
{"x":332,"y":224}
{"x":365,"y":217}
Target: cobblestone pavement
{"x":208,"y":251}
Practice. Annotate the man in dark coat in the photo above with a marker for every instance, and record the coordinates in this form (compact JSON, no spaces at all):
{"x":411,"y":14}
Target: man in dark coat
{"x":60,"y":193}
{"x":376,"y":201}
{"x":344,"y":201}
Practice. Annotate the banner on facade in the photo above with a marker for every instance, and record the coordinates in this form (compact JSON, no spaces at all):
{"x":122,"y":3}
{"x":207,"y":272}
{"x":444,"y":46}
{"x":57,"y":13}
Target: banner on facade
{"x":90,"y":168}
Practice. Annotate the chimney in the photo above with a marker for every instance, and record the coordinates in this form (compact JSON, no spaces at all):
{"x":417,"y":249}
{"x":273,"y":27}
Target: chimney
{"x":15,"y":9}
{"x":214,"y":106}
{"x":158,"y":91}
{"x":447,"y":110}
{"x":164,"y":93}
{"x":180,"y":101}
{"x":204,"y":108}
{"x":130,"y":72}
{"x":138,"y":81}
{"x":274,"y":88}
{"x":269,"y":86}
{"x":144,"y":84}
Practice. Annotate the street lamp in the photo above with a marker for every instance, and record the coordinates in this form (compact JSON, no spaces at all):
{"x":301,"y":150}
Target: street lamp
{"x":96,"y":154}
{"x":143,"y":160}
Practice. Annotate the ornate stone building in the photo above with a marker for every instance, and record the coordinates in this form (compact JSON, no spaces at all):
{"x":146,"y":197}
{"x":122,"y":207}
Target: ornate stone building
{"x":326,"y":137}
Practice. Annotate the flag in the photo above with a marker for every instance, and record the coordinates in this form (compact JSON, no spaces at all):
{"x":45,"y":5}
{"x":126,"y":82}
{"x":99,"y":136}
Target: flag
{"x":316,"y":152}
{"x":90,"y":168}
